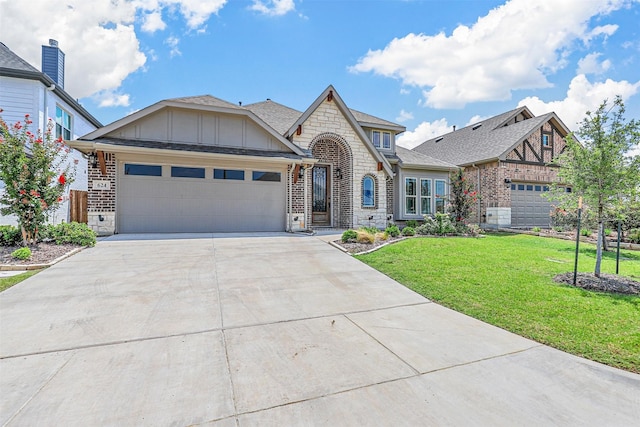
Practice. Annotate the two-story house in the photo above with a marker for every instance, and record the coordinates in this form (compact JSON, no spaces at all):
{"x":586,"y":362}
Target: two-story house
{"x":202,"y":164}
{"x":508,"y":160}
{"x":40,"y":94}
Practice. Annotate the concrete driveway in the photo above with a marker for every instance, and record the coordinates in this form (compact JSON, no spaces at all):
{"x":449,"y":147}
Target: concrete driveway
{"x":275,"y":330}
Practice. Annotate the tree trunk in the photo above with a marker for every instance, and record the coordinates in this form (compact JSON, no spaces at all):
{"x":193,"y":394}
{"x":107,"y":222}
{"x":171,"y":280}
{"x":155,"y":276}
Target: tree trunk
{"x":599,"y":249}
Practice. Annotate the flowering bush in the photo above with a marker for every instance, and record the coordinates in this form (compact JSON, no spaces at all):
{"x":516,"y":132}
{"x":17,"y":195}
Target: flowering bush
{"x":462,"y":197}
{"x":32,"y":168}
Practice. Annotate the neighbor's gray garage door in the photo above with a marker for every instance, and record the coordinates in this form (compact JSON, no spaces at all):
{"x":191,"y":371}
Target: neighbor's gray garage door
{"x":528,"y":207}
{"x":170,"y":204}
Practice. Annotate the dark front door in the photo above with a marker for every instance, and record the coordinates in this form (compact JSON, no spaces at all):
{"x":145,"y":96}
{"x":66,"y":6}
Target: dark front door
{"x":320,"y":214}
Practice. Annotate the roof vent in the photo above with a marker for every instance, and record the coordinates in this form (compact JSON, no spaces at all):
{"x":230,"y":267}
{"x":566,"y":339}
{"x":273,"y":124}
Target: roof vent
{"x":439,"y":139}
{"x":476,"y":126}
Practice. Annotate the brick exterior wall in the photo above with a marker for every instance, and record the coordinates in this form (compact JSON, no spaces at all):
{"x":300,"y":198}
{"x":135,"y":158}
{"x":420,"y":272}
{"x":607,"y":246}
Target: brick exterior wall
{"x":389,"y":185}
{"x":102,"y":203}
{"x":328,"y":124}
{"x":528,"y":162}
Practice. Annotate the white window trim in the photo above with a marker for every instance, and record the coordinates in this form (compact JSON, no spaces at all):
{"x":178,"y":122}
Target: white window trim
{"x":443,"y":196}
{"x":414,"y":196}
{"x":384,"y":146}
{"x":373,"y":196}
{"x":373,"y":138}
{"x":64,"y":111}
{"x":430,"y":198}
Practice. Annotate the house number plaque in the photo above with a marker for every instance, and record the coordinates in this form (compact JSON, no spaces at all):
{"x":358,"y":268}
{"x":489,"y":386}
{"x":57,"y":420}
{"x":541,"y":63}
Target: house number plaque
{"x":101,"y":185}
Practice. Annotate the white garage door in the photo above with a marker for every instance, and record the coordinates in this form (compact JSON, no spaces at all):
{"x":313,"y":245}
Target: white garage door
{"x":178,"y":199}
{"x":528,"y":207}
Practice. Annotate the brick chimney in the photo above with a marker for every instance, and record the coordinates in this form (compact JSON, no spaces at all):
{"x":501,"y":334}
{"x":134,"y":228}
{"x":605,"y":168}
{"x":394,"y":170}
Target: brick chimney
{"x":53,"y":62}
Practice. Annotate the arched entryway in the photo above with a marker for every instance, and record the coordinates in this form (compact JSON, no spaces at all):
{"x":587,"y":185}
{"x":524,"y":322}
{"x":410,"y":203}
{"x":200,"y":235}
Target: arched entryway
{"x":331,"y":182}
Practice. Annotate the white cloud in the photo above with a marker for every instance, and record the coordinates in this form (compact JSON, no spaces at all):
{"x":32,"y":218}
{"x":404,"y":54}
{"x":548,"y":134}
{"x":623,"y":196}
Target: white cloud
{"x":582,"y":96}
{"x":153,"y":22}
{"x":590,"y":64}
{"x":404,"y":91}
{"x":424,"y":131}
{"x":98,"y":37}
{"x":109,"y":98}
{"x":173,"y":43}
{"x":273,"y":7}
{"x":476,"y":119}
{"x":404,"y":116}
{"x":515,"y":46}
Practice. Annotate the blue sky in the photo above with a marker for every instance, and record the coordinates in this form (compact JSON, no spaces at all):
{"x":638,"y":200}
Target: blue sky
{"x":425,"y":64}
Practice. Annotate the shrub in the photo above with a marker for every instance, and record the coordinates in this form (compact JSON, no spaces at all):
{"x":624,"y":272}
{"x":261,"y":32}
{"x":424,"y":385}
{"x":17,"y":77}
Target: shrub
{"x":382,"y":235}
{"x":10,"y":235}
{"x":425,"y":228}
{"x":392,"y":230}
{"x":364,"y":236}
{"x":408,"y":231}
{"x":585,"y":232}
{"x":608,"y":231}
{"x":349,"y":236}
{"x":443,"y":224}
{"x":413,"y":223}
{"x":634,"y":235}
{"x":74,"y":233}
{"x":372,"y":230}
{"x":558,"y":229}
{"x":536,"y":229}
{"x":21,"y":253}
{"x":474,"y":230}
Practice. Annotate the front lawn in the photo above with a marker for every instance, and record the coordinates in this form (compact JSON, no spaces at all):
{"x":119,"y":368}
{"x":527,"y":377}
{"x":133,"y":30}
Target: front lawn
{"x":507,"y":280}
{"x":9,"y":281}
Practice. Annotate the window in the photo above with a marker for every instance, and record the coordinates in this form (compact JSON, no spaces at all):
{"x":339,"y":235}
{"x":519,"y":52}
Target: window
{"x":375,"y":138}
{"x":183,"y":172}
{"x":521,"y":187}
{"x":513,"y":186}
{"x":441,"y":195}
{"x":266,"y":176}
{"x":545,"y":140}
{"x":386,"y":140}
{"x":368,"y":192}
{"x":142,"y":170}
{"x":381,"y":139}
{"x":63,"y":124}
{"x":425,"y":196}
{"x":538,"y":188}
{"x":529,"y":187}
{"x":228,"y":174}
{"x":410,"y":196}
{"x":545,"y":188}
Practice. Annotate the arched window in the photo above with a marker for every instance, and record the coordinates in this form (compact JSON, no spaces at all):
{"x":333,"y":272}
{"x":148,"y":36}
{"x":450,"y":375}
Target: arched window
{"x":368,"y":192}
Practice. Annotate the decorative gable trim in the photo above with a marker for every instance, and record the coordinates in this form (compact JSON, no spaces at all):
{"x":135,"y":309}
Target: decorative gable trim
{"x":331,"y":95}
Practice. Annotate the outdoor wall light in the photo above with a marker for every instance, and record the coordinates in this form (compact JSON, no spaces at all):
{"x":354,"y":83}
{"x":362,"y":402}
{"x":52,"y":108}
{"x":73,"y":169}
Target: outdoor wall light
{"x":301,"y":172}
{"x":507,"y":180}
{"x":93,"y":159}
{"x":338,"y":173}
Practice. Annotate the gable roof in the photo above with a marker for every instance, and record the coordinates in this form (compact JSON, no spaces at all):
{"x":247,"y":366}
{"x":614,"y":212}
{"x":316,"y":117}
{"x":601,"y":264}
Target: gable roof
{"x":367,"y":120}
{"x":199,"y":103}
{"x":489,"y":139}
{"x":346,"y":112}
{"x":11,"y":65}
{"x":278,"y":116}
{"x":413,"y":159}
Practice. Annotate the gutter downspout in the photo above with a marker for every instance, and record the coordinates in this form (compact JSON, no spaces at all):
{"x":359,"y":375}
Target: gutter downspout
{"x":45,"y":110}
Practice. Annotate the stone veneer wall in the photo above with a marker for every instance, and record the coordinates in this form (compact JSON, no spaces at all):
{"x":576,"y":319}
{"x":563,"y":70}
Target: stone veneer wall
{"x":102,"y":203}
{"x":327,"y":119}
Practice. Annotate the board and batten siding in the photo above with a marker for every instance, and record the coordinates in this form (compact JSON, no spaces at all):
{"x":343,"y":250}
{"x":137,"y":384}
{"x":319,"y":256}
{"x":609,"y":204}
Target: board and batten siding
{"x":204,"y":128}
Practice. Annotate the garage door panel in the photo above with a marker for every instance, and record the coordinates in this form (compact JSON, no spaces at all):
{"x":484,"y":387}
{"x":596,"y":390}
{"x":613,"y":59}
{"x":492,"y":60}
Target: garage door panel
{"x":166,"y":204}
{"x":528,"y":207}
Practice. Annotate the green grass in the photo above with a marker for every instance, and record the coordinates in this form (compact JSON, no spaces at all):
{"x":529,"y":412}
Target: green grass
{"x":507,"y":280}
{"x":7,"y":282}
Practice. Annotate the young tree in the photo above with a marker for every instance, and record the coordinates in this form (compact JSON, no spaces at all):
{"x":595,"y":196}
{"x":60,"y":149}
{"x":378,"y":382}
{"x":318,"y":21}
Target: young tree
{"x":462,"y":198}
{"x":35,"y":172}
{"x":598,"y":168}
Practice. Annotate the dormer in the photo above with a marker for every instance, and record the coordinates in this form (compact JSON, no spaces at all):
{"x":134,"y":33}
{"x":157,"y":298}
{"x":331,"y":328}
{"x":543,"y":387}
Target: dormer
{"x":382,"y":133}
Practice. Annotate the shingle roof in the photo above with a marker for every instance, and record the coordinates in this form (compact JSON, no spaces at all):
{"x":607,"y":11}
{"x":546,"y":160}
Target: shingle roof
{"x":10,"y":60}
{"x":207,"y":100}
{"x":278,"y":116}
{"x":369,"y":119}
{"x":413,"y":158}
{"x":482,"y":141}
{"x":197,"y":148}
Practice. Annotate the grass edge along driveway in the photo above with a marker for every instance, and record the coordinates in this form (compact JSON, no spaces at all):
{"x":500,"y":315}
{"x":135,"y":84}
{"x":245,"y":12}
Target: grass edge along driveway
{"x":507,"y":280}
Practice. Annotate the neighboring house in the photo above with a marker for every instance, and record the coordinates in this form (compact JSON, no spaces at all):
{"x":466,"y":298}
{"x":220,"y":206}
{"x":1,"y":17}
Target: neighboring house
{"x":201,"y":164}
{"x":26,"y":90}
{"x":507,"y":159}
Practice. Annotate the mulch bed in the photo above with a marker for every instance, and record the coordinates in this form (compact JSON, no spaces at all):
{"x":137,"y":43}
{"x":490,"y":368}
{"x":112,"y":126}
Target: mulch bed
{"x":42,"y":253}
{"x":356,"y":248}
{"x":605,"y":283}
